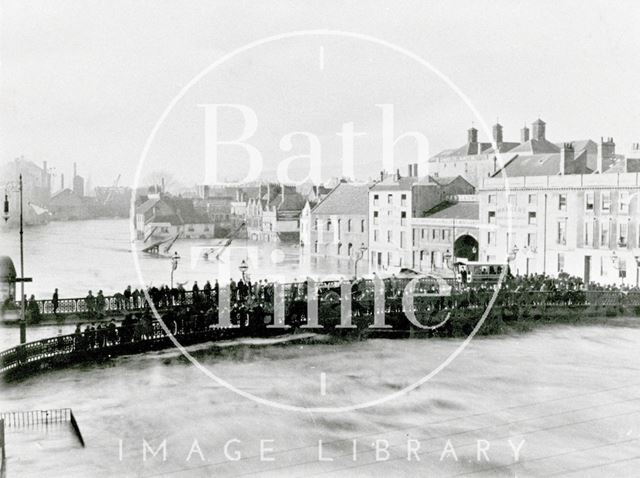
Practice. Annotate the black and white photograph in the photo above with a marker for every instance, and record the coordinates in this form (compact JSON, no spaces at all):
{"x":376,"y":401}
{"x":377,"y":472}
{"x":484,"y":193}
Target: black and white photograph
{"x":291,"y":238}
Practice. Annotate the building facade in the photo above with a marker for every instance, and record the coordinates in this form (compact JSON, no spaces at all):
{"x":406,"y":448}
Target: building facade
{"x":584,"y":225}
{"x":338,"y":226}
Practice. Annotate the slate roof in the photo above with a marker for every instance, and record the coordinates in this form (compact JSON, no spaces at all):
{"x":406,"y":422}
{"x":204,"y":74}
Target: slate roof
{"x":536,"y":146}
{"x":345,"y":198}
{"x":543,"y":165}
{"x":460,"y":210}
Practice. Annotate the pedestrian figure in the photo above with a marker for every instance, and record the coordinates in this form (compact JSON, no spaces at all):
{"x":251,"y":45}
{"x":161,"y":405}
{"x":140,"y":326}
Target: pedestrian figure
{"x":54,"y":301}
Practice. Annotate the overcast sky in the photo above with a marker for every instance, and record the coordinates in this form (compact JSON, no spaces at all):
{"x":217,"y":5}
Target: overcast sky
{"x":86,"y":81}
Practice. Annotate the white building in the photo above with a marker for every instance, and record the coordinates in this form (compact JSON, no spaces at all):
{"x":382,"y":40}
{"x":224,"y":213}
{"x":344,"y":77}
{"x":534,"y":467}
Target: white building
{"x":585,"y":225}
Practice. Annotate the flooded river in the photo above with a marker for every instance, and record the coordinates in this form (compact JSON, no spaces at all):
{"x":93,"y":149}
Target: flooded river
{"x":503,"y":408}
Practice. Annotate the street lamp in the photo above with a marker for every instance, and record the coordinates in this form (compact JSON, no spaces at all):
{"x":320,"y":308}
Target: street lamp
{"x":175,"y":259}
{"x":359,"y":254}
{"x":243,"y":269}
{"x":22,"y":279}
{"x":447,"y":257}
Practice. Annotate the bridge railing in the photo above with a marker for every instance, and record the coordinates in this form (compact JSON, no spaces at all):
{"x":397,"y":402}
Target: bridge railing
{"x":117,"y":303}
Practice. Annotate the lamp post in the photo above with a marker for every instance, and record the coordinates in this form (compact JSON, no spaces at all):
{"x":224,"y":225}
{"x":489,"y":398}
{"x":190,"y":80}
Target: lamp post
{"x":359,"y":254}
{"x":615,"y":262}
{"x":175,"y":259}
{"x":243,"y":269}
{"x":512,"y":255}
{"x":22,"y":279}
{"x":447,"y":257}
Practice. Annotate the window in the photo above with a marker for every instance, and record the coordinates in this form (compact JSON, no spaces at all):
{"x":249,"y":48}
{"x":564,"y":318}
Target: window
{"x":328,"y":224}
{"x":532,"y":240}
{"x":562,"y":202}
{"x":560,"y":262}
{"x":389,"y":198}
{"x":604,"y":233}
{"x":339,"y":227}
{"x":623,"y":202}
{"x":349,"y":225}
{"x":622,"y":268}
{"x":491,"y":217}
{"x":512,"y":200}
{"x":375,"y":217}
{"x":403,"y":218}
{"x":422,"y":233}
{"x":433,"y":234}
{"x":532,"y":218}
{"x":403,"y":200}
{"x":491,"y":238}
{"x":362,"y":225}
{"x":375,"y":199}
{"x":445,"y":233}
{"x":389,"y":236}
{"x":414,"y":235}
{"x":562,"y":232}
{"x":589,"y":201}
{"x":606,"y":201}
{"x":349,"y":249}
{"x":533,"y":199}
{"x":491,"y":199}
{"x":315,"y":247}
{"x":623,"y":234}
{"x":401,"y":238}
{"x":375,"y":235}
{"x":588,"y":234}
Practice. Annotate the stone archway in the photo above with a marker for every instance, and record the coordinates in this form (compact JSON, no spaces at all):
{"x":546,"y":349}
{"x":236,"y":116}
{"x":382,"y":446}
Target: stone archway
{"x":466,"y":247}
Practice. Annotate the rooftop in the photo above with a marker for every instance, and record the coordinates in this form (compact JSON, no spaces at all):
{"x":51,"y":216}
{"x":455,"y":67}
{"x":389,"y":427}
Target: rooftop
{"x":346,"y":198}
{"x":454,"y":210}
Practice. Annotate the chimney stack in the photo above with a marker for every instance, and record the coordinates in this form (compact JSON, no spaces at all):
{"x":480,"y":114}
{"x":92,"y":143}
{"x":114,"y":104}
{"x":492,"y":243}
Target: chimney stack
{"x":381,"y":176}
{"x":397,"y":178}
{"x":497,"y":133}
{"x":410,"y":170}
{"x":537,"y":129}
{"x":606,"y":154}
{"x":472,"y":135}
{"x":524,"y":134}
{"x":566,"y":158}
{"x":415,"y":170}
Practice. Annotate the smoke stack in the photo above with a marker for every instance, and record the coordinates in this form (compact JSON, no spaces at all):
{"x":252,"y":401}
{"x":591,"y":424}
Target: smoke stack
{"x":415,"y":170}
{"x":524,"y":134}
{"x":410,"y":170}
{"x":566,"y":158}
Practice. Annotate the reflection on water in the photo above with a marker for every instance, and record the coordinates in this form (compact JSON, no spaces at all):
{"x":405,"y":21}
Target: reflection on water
{"x":82,"y":255}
